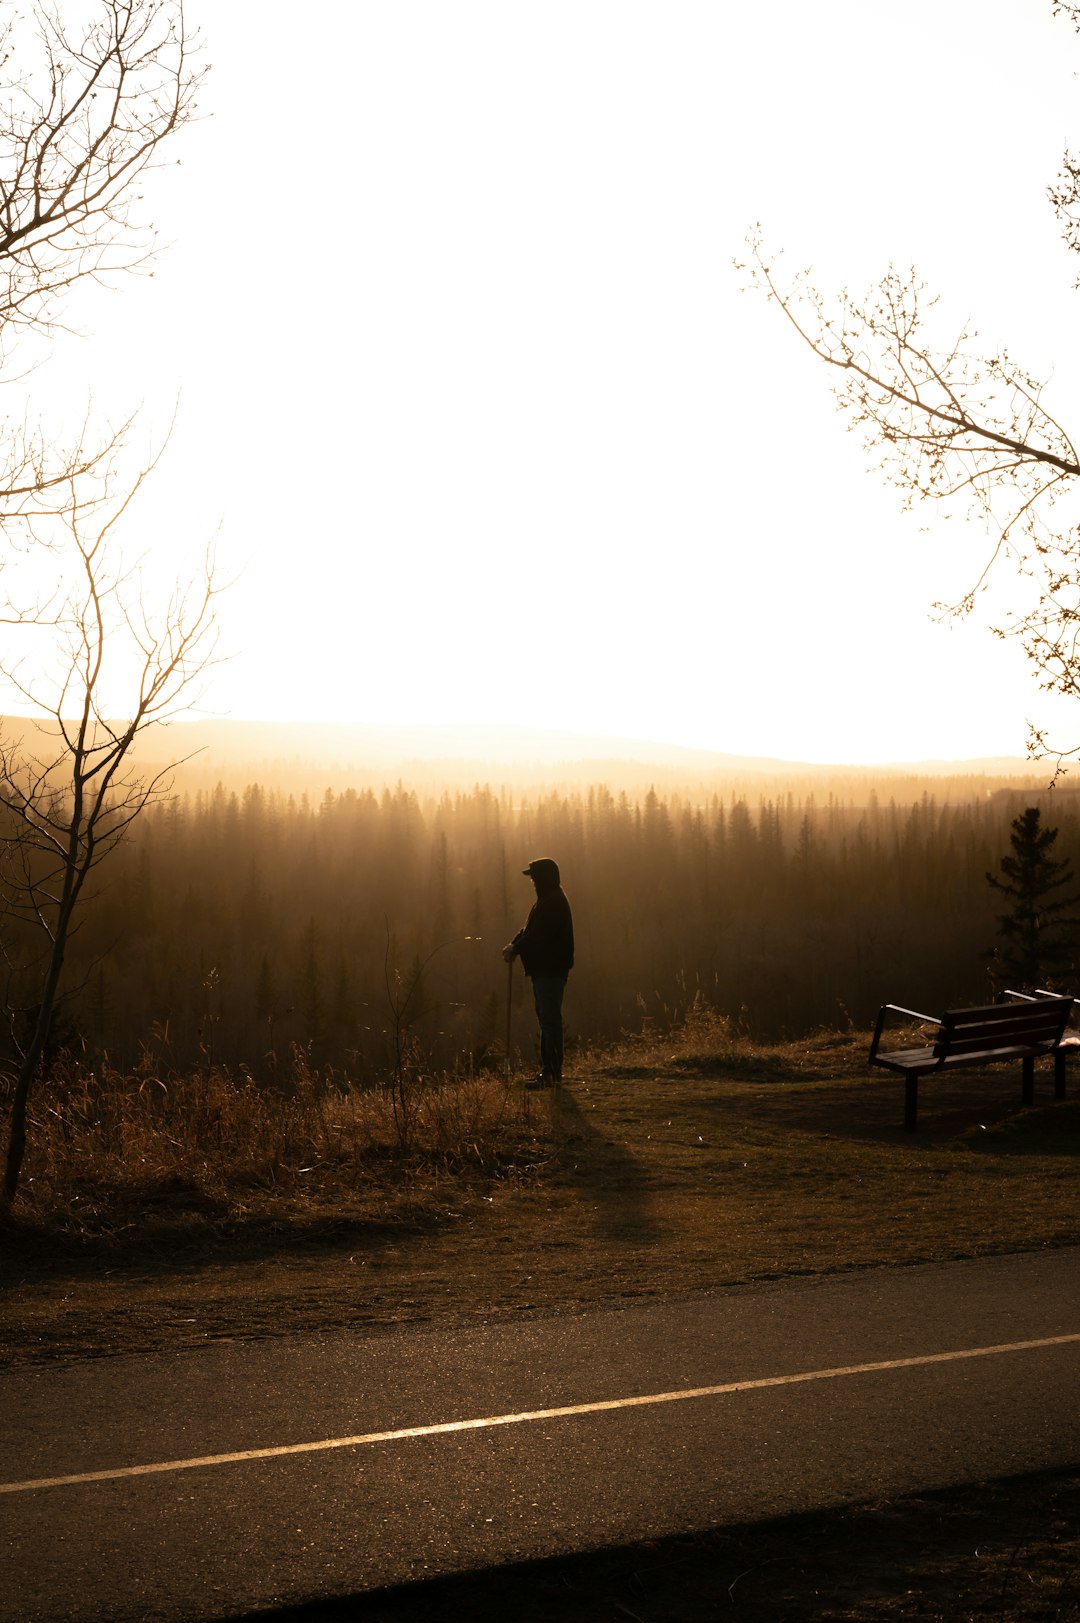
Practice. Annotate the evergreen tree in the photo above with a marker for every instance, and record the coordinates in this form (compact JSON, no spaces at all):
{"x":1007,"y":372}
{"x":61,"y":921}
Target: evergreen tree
{"x":1038,"y":933}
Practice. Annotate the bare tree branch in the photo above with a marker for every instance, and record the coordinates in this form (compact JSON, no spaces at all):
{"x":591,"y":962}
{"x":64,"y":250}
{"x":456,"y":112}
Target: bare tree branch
{"x":84,"y":114}
{"x":948,"y":424}
{"x":74,"y":139}
{"x":69,"y":798}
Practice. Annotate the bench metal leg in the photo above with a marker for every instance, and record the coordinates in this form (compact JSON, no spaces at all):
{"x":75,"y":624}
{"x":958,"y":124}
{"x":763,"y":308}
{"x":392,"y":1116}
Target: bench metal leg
{"x":911,"y":1102}
{"x":1059,"y":1074}
{"x":1027,"y":1091}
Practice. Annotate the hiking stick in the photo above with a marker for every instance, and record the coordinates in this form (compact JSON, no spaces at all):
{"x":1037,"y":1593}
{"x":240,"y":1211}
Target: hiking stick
{"x":509,"y":1005}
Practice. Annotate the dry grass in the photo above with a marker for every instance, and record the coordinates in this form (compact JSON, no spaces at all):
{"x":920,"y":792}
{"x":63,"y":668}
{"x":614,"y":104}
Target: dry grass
{"x":792,"y":1158}
{"x":112,"y":1153}
{"x":168,"y":1215}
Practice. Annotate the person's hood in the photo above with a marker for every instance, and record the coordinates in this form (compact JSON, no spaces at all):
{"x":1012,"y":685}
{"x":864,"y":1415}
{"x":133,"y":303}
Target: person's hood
{"x":544,"y":874}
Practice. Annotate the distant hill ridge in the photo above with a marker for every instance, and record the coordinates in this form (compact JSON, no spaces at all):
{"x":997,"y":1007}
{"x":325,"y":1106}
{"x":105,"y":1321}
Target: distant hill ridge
{"x":508,"y":745}
{"x":315,"y":755}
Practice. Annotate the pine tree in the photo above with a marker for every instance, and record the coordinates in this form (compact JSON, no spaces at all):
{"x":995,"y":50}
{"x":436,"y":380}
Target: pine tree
{"x":1038,"y":934}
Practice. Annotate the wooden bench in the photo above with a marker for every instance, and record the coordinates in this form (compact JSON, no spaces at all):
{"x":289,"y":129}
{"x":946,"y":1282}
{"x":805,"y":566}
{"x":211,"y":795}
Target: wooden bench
{"x":1023,"y":1028}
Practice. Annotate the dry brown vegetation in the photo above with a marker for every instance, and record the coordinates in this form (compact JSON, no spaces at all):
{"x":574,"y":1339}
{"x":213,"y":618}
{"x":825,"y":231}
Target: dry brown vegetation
{"x":122,"y":1157}
{"x":168,"y":1210}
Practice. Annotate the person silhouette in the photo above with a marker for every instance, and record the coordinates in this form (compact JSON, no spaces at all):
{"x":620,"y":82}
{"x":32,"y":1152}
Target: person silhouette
{"x":545,"y":945}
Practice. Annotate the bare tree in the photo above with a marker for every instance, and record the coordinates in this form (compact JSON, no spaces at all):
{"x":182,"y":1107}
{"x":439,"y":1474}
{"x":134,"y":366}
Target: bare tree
{"x":84,"y":111}
{"x":72,"y":789}
{"x":950,"y":424}
{"x":85,"y":107}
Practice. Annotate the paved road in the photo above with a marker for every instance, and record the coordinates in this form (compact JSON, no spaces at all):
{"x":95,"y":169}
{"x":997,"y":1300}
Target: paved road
{"x":760,"y":1402}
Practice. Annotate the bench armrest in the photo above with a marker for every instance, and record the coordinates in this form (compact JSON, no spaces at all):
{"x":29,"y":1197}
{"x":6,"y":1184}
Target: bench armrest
{"x":1033,"y":997}
{"x":895,"y":1008}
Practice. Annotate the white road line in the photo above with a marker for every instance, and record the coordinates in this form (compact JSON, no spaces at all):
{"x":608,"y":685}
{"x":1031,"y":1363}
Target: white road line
{"x":447,"y":1426}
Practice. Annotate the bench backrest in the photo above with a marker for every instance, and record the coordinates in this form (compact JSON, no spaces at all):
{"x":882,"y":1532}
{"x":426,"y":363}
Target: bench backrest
{"x":1040,"y":1023}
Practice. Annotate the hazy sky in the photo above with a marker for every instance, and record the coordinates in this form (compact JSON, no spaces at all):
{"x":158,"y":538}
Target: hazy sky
{"x":467,"y":376}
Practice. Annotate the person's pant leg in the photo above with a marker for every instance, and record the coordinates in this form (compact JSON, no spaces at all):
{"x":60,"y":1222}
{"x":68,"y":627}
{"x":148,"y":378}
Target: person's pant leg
{"x":548,"y":996}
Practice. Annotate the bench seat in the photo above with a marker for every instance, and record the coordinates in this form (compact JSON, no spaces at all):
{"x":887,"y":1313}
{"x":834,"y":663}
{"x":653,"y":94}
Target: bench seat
{"x":1025,"y":1029}
{"x":927,"y":1059}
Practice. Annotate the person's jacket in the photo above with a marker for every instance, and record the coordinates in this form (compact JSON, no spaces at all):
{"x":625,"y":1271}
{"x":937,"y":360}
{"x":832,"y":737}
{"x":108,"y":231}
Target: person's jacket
{"x":546,"y":944}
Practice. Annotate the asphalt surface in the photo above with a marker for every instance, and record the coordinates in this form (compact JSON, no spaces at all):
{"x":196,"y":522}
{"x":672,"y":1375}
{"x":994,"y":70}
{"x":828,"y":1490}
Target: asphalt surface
{"x":214,"y":1539}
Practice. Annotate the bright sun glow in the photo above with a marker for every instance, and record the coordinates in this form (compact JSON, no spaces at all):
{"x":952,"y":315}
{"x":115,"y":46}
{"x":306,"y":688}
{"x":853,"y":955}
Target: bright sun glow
{"x":467,"y":376}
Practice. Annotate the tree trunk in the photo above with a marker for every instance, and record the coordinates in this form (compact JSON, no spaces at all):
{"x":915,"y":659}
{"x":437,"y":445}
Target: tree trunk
{"x":16,"y":1136}
{"x":31,"y":1060}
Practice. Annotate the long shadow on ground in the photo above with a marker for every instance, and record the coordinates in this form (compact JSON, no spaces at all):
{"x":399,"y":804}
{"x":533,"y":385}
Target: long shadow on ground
{"x":1005,"y":1550}
{"x":604,"y":1170}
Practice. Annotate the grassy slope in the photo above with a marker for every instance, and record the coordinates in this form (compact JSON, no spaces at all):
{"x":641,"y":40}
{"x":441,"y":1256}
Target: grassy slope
{"x":668,"y":1165}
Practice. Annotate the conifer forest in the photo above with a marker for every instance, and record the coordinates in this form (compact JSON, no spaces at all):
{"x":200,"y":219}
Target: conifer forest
{"x":235,"y":928}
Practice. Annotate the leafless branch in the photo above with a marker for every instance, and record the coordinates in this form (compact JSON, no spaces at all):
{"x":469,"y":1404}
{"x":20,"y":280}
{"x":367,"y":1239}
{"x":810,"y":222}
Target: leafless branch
{"x":951,"y":425}
{"x":85,"y":111}
{"x":76,"y":132}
